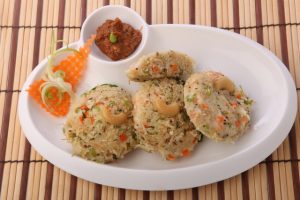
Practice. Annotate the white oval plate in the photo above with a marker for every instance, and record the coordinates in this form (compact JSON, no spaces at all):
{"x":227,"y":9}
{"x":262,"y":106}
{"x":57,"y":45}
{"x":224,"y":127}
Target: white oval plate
{"x":257,"y":70}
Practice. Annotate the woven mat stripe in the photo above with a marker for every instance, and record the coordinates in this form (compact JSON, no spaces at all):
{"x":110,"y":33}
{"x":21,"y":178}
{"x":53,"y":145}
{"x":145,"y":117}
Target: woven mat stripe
{"x":9,"y":84}
{"x":15,"y":141}
{"x":293,"y":37}
{"x":7,"y":12}
{"x":291,"y":13}
{"x":272,"y":41}
{"x":292,"y":134}
{"x":260,"y":39}
{"x":236,"y":21}
{"x":50,"y":167}
{"x":268,"y":42}
{"x":25,"y":169}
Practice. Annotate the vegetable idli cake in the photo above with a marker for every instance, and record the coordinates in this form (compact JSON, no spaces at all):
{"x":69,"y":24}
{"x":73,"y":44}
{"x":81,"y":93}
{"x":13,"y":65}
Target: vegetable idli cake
{"x":171,"y":64}
{"x":217,"y":108}
{"x":100,"y":124}
{"x":160,"y":120}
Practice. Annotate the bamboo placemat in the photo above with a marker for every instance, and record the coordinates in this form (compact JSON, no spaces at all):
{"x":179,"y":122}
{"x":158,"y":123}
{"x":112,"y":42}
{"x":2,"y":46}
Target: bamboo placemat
{"x":25,"y":31}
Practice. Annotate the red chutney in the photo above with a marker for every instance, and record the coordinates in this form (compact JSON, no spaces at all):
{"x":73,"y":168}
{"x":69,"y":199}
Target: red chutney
{"x":116,"y":39}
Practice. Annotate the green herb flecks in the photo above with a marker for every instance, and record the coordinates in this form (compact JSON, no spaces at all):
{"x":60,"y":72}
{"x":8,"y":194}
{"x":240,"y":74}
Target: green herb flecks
{"x":110,"y":85}
{"x":207,"y":90}
{"x":92,"y":152}
{"x":190,"y":98}
{"x":248,"y":102}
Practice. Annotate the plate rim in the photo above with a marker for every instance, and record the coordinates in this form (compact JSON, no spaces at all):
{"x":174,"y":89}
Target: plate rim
{"x":166,"y":173}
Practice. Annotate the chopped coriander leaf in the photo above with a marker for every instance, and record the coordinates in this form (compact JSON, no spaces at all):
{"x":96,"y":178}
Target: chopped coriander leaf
{"x":190,"y":98}
{"x":92,"y":152}
{"x":205,"y":126}
{"x":248,"y":101}
{"x":207,"y":90}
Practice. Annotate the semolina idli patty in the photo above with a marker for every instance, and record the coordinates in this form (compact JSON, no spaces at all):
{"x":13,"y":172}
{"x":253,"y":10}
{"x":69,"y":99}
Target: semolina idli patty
{"x":216,"y":107}
{"x":100,"y":125}
{"x":168,"y":64}
{"x":160,"y":120}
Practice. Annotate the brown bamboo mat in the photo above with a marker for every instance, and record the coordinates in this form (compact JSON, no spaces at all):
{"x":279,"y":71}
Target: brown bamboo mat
{"x":25,"y":31}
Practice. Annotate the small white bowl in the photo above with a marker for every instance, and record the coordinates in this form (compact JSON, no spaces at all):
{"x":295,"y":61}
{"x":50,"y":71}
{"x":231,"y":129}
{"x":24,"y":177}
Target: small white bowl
{"x":99,"y":16}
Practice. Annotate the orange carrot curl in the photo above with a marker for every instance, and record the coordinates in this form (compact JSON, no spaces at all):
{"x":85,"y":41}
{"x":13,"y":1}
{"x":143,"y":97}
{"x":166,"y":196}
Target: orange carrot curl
{"x":55,"y":92}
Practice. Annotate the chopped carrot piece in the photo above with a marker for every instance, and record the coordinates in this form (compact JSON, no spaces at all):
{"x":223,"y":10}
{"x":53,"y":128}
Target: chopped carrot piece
{"x":155,"y":69}
{"x":81,"y":119}
{"x":203,"y":106}
{"x":84,"y":107}
{"x":123,"y":137}
{"x":170,"y":157}
{"x":238,"y":123}
{"x":92,"y":120}
{"x":174,"y":68}
{"x":238,"y":95}
{"x":185,"y":152}
{"x":234,"y":104}
{"x":99,"y":103}
{"x":87,"y":114}
{"x":244,"y":119}
{"x":220,"y":119}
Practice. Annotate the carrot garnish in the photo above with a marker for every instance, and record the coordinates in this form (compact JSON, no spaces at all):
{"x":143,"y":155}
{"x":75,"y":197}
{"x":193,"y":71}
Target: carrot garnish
{"x":74,"y":65}
{"x":55,"y":92}
{"x":54,"y":105}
